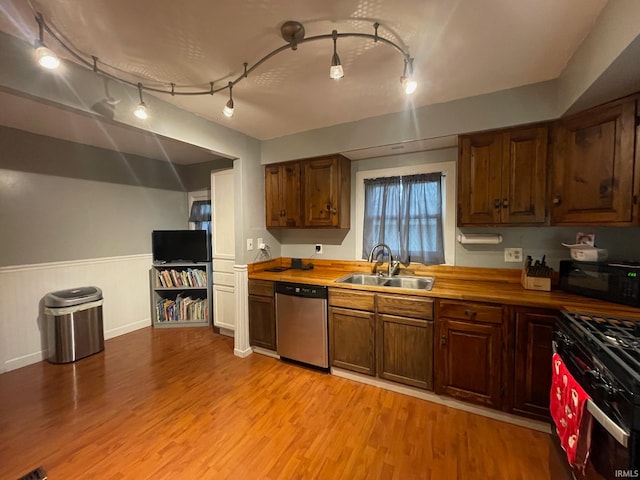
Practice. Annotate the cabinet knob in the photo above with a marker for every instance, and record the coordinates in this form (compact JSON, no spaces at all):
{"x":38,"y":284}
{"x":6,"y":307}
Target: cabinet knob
{"x":443,"y":340}
{"x":557,"y":199}
{"x":470,"y":313}
{"x":496,"y":203}
{"x":334,"y":211}
{"x":505,"y":203}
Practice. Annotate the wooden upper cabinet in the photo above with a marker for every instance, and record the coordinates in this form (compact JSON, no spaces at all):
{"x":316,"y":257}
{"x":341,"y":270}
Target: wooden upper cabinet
{"x":282,"y":195}
{"x":326,"y":192}
{"x":308,"y":193}
{"x":502,"y":177}
{"x":594,"y":168}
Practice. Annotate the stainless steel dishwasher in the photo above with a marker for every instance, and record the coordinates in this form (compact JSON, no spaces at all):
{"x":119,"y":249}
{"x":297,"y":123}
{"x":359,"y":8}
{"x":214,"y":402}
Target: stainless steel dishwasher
{"x":302,"y":324}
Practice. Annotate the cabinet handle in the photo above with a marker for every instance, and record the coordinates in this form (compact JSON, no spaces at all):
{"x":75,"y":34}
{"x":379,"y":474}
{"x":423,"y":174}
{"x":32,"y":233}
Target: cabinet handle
{"x":505,"y":203}
{"x":557,"y":199}
{"x":496,"y":203}
{"x":443,"y":340}
{"x":470,"y":313}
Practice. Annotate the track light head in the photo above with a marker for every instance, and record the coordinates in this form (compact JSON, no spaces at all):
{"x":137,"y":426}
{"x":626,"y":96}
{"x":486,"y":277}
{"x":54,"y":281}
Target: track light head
{"x":46,"y":58}
{"x":336,"y":72}
{"x":141,"y":109}
{"x":409,"y":84}
{"x":228,"y":108}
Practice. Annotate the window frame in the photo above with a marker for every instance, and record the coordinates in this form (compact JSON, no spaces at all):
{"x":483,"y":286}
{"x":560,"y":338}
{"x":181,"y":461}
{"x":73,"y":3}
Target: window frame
{"x":448,"y":169}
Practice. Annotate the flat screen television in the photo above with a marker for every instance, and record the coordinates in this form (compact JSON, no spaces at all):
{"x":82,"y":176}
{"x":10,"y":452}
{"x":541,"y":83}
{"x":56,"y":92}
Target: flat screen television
{"x":180,"y":246}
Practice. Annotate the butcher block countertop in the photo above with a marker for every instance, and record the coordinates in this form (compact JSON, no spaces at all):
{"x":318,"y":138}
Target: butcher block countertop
{"x":451,"y":282}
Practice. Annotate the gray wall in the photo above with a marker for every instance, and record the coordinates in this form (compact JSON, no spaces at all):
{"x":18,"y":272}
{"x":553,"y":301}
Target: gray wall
{"x":622,"y":243}
{"x":48,"y":218}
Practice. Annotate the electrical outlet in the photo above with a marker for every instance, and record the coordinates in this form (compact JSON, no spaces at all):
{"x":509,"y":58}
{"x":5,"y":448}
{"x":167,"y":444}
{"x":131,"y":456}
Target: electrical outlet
{"x":319,"y":248}
{"x":260,"y":243}
{"x":249,"y":244}
{"x":513,"y":255}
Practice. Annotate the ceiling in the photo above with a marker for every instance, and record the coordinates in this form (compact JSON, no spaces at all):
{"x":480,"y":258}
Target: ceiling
{"x":461,"y":48}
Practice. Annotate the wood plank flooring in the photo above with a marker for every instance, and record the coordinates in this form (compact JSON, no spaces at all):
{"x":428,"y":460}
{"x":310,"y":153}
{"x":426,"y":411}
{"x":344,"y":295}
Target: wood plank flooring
{"x":177,"y":404}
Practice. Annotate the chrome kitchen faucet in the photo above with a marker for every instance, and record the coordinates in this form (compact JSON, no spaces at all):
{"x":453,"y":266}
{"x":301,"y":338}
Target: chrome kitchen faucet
{"x":394,"y":265}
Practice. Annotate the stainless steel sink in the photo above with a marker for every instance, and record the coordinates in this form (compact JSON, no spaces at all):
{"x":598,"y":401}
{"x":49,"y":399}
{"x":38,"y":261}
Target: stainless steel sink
{"x":363,"y":279}
{"x":413,"y":283}
{"x":417,"y":283}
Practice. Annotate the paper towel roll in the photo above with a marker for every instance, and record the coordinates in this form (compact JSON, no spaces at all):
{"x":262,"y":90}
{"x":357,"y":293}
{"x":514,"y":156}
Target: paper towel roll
{"x":480,"y":238}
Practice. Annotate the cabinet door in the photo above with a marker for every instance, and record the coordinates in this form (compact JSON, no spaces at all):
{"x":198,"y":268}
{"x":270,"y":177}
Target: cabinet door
{"x":272,"y":195}
{"x":533,"y":352}
{"x":353,"y":339}
{"x":282,"y":195}
{"x":594,"y":166}
{"x":405,"y":350}
{"x":468,"y":361}
{"x":326,"y":193}
{"x":262,"y":322}
{"x":479,"y":179}
{"x":524,"y":175}
{"x":290,"y":194}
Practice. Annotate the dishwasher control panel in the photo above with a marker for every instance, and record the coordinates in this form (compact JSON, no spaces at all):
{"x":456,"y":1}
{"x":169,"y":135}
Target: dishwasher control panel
{"x":301,"y":290}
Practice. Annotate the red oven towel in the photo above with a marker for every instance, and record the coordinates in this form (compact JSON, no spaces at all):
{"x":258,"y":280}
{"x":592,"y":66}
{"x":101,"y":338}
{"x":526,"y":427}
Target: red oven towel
{"x":568,"y":400}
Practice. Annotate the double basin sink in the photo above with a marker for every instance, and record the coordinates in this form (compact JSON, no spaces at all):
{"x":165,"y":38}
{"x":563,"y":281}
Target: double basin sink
{"x":413,"y":283}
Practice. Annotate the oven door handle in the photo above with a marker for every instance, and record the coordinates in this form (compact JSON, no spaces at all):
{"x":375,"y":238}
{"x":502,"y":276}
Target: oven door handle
{"x":615,"y":430}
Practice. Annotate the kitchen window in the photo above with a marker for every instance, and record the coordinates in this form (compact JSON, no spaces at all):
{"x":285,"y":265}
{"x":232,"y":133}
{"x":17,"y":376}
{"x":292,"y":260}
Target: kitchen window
{"x":411,"y":209}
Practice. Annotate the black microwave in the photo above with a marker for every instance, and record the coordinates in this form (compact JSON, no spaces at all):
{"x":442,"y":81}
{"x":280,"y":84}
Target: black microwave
{"x":614,"y":282}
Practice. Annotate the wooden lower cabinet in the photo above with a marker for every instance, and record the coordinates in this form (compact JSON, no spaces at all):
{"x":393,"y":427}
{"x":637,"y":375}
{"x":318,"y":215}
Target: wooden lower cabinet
{"x":405,"y":350}
{"x":262,"y":315}
{"x":352,"y":341}
{"x":469,"y":352}
{"x":390,"y":336}
{"x":532,"y":379}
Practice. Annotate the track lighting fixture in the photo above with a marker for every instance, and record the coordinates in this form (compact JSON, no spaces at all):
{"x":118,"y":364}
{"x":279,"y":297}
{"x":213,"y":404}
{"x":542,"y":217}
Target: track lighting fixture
{"x":408,"y":82}
{"x":292,"y":32}
{"x":46,"y":58}
{"x":336,"y":71}
{"x":141,"y":109}
{"x":228,"y":108}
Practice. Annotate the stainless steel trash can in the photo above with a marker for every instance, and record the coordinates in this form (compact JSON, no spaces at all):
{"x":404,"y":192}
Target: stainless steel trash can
{"x":74,"y":323}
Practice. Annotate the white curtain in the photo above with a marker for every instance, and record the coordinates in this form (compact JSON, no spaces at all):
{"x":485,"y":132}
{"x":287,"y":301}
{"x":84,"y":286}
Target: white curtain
{"x":406,"y":214}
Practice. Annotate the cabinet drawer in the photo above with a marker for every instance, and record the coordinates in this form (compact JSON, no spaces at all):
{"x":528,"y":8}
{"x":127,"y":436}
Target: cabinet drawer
{"x":262,"y":288}
{"x":405,"y":306}
{"x":478,"y":312}
{"x":351,"y":299}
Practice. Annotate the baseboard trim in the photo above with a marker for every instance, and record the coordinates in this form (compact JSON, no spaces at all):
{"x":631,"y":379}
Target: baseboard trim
{"x":131,"y":327}
{"x":265,"y":352}
{"x":242,"y":353}
{"x":441,"y":400}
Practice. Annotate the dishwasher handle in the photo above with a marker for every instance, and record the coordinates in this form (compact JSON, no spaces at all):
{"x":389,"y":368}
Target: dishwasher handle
{"x":301,"y":290}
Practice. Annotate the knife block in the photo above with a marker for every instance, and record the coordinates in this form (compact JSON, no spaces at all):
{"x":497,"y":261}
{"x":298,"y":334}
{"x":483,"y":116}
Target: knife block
{"x":535,"y":283}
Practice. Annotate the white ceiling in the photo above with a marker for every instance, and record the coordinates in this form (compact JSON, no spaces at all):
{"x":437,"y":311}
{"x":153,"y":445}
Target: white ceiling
{"x":462,"y":48}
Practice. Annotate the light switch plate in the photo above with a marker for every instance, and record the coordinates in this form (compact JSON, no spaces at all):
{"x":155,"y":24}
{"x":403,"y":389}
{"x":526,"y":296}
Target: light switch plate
{"x":513,"y":254}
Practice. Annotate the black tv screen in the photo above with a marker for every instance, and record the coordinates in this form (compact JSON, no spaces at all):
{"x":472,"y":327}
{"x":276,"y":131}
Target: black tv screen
{"x":180,"y":246}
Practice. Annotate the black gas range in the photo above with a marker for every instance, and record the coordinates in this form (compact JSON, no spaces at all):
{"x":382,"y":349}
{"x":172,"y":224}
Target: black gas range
{"x":603,"y":354}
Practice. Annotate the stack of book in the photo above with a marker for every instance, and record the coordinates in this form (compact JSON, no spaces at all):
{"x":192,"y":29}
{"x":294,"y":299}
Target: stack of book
{"x":181,"y":278}
{"x":182,"y":309}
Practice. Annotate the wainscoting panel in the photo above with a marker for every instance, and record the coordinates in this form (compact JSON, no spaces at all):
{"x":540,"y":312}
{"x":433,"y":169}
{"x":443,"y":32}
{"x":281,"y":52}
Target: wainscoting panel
{"x":125,"y":286}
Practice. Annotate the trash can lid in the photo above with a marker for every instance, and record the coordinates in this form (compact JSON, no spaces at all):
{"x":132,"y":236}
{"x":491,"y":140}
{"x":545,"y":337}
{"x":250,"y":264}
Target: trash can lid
{"x":72,"y":296}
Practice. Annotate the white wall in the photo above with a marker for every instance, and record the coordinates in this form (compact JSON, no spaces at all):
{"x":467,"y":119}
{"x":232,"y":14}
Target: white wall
{"x":127,"y":302}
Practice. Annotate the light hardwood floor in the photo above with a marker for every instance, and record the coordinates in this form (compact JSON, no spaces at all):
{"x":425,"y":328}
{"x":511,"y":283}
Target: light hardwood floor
{"x":177,"y":404}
